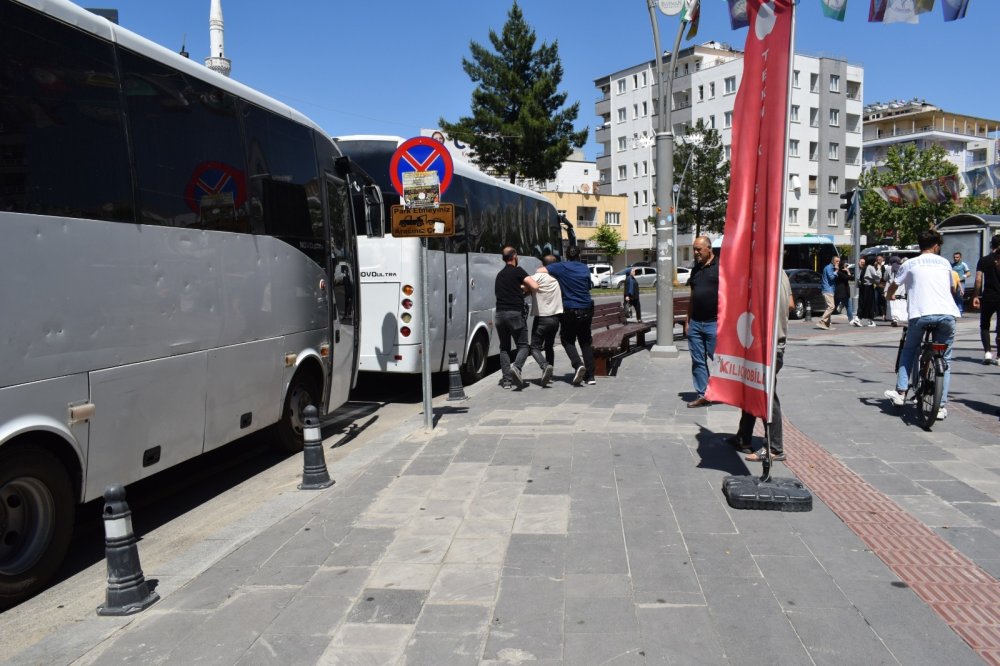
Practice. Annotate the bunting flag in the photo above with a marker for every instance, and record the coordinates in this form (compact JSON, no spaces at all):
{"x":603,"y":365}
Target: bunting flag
{"x":738,"y":14}
{"x":741,"y":372}
{"x":900,"y":11}
{"x":694,"y":15}
{"x":892,"y":194}
{"x":876,"y":11}
{"x":995,"y":172}
{"x":924,"y":6}
{"x":954,"y":9}
{"x":932,"y":190}
{"x":834,"y":9}
{"x":911,"y":196}
{"x":953,"y":185}
{"x":977,"y":181}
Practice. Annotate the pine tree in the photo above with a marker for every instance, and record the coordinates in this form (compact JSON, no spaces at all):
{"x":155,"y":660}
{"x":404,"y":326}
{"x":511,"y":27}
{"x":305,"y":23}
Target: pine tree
{"x":517,"y":128}
{"x":704,"y":192}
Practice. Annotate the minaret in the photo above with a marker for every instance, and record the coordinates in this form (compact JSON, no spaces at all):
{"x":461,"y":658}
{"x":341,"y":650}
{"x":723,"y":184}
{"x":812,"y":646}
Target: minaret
{"x":217,"y":59}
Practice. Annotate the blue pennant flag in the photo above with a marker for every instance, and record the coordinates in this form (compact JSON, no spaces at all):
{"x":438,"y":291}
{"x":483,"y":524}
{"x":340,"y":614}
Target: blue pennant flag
{"x":954,"y":9}
{"x":834,"y":9}
{"x":738,"y":14}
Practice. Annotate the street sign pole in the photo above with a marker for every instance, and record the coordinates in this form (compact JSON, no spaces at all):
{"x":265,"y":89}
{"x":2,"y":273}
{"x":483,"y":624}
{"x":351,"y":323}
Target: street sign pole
{"x":425,"y":335}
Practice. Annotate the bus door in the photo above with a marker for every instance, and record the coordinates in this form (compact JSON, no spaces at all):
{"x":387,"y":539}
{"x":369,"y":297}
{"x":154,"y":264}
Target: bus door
{"x":342,"y":271}
{"x":456,"y":313}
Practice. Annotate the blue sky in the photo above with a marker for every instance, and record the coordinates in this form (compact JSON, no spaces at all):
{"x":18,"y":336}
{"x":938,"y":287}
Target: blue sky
{"x":393,"y":67}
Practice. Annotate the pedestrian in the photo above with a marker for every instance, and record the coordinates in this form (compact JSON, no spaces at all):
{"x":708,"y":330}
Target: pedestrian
{"x":962,"y":271}
{"x":741,"y":441}
{"x":842,"y":294}
{"x":866,"y":294}
{"x":548,"y":304}
{"x":632,"y":295}
{"x":929,"y":303}
{"x":578,"y":313}
{"x":548,"y":347}
{"x":703,"y":314}
{"x":987,"y":298}
{"x":897,"y":306}
{"x":511,"y":318}
{"x":880,"y":280}
{"x":829,"y":283}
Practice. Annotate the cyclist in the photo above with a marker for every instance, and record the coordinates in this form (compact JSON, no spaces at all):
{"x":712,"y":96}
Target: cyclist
{"x":930,"y":302}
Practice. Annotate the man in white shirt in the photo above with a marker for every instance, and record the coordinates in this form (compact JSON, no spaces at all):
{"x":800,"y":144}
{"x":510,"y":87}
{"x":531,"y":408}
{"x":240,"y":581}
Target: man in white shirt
{"x":548,"y":307}
{"x":930,"y":302}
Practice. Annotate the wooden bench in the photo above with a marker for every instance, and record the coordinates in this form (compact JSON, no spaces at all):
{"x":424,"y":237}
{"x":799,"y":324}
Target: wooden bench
{"x":611,"y":334}
{"x":682,"y":304}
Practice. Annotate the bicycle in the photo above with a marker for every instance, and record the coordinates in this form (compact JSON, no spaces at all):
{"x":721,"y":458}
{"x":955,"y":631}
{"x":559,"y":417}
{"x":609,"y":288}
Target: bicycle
{"x":926,"y":377}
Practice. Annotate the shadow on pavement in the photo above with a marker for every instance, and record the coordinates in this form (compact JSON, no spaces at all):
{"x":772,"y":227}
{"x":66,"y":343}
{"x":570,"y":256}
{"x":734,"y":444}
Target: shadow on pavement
{"x":716,"y":454}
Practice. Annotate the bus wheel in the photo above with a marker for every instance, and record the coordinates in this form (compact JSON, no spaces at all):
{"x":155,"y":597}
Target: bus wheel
{"x":36,"y":520}
{"x":475,"y":362}
{"x":302,"y":392}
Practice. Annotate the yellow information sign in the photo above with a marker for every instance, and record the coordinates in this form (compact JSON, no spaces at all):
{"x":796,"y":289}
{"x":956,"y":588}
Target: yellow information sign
{"x":423,"y":222}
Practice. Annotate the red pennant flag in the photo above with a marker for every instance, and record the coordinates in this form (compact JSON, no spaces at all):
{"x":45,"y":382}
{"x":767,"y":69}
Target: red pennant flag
{"x":751,"y":251}
{"x":876,"y":11}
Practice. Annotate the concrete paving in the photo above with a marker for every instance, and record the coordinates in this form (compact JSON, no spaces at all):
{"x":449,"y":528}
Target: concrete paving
{"x":586,"y":525}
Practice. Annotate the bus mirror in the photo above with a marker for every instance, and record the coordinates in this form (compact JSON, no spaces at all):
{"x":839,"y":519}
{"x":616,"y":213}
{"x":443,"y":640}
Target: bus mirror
{"x":374,"y":211}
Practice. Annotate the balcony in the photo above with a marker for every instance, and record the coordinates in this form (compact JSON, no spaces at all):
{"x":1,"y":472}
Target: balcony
{"x":603,"y":134}
{"x":603,"y":107}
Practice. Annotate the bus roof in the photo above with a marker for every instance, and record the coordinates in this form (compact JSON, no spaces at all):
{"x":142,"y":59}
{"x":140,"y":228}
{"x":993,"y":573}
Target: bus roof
{"x":792,"y":240}
{"x":76,"y":16}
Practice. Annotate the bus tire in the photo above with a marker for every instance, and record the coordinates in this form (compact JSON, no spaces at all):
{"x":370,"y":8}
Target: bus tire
{"x":474,"y":367}
{"x":37,"y":513}
{"x":303,"y":391}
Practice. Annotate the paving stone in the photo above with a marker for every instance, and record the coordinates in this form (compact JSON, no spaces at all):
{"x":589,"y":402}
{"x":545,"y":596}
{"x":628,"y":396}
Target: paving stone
{"x":282,"y":649}
{"x":362,"y":547}
{"x":616,"y":649}
{"x":377,"y":606}
{"x":336,"y":582}
{"x":838,"y":636}
{"x":466,"y":583}
{"x":696,"y":642}
{"x":434,"y":649}
{"x":595,"y":552}
{"x":455,"y":618}
{"x":528,"y":619}
{"x":536,"y":555}
{"x":600,"y":615}
{"x":151,"y":640}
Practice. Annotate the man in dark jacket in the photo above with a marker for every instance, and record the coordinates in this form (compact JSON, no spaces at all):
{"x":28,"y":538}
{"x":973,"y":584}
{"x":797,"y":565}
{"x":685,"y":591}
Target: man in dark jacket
{"x":512,"y":284}
{"x":578,"y":313}
{"x":632,"y":295}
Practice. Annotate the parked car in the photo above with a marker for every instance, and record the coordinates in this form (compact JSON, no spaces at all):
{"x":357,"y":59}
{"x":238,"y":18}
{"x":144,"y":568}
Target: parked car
{"x":683,"y":273}
{"x":644,"y":275}
{"x":597,"y":271}
{"x":807,"y":288}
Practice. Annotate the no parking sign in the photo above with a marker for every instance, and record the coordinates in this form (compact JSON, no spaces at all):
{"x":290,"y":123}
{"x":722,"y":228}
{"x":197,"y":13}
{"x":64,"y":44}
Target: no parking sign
{"x":421,"y":170}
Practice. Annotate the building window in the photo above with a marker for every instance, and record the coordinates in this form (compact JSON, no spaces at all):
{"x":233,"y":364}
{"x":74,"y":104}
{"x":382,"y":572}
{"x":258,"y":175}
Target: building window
{"x":635,"y":111}
{"x":812,"y":218}
{"x":635,"y":169}
{"x":701,"y":93}
{"x":792,"y":178}
{"x":645,"y":109}
{"x":728,"y":119}
{"x":793,"y":216}
{"x":635,"y":200}
{"x":645,"y":197}
{"x":730,"y":84}
{"x":621,"y":86}
{"x":813,"y":151}
{"x":834,"y":83}
{"x":795,"y":79}
{"x":729,"y":152}
{"x":622,"y":144}
{"x":832,"y":217}
{"x":635,"y":225}
{"x":812,"y":184}
{"x":711,"y":90}
{"x":622,"y":117}
{"x":711,"y":122}
{"x":833,"y":185}
{"x":613,"y":219}
{"x":645,"y":168}
{"x":834,"y":118}
{"x":635,"y":81}
{"x":834,"y":152}
{"x":793,"y":114}
{"x":622,"y":172}
{"x":814,"y":83}
{"x":813,"y":117}
{"x":793,"y":147}
{"x":644,"y":79}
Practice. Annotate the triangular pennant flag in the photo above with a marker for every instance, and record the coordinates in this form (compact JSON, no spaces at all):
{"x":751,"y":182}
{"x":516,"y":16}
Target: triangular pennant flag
{"x":738,"y":14}
{"x":876,"y":11}
{"x":900,"y":11}
{"x":834,"y":9}
{"x":695,"y":16}
{"x":891,"y":194}
{"x":954,"y":9}
{"x":951,"y":184}
{"x":924,"y":6}
{"x":910,"y":194}
{"x":930,"y":189}
{"x":687,"y":11}
{"x":977,"y":181}
{"x":882,"y":193}
{"x":995,"y":173}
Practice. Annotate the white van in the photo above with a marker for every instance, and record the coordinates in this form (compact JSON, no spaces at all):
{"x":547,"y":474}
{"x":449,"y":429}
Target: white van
{"x":597,"y":271}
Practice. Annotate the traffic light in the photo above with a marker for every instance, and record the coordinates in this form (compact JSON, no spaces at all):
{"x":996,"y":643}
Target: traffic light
{"x":848,"y":198}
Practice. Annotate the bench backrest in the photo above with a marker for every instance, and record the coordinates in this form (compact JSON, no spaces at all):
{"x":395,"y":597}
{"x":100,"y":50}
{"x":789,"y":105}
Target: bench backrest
{"x":607,"y":315}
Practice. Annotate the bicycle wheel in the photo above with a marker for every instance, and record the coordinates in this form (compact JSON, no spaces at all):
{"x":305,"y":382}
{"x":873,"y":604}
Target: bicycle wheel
{"x":929,"y":391}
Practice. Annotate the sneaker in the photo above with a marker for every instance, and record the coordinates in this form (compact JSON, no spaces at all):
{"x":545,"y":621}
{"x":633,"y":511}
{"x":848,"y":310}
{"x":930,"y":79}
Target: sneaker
{"x":942,"y":414}
{"x":987,"y":358}
{"x":871,"y":324}
{"x":896,"y":397}
{"x":546,"y":376}
{"x":856,"y":322}
{"x":578,"y":375}
{"x":822,"y":324}
{"x":591,"y":382}
{"x":515,"y":377}
{"x":504,"y":383}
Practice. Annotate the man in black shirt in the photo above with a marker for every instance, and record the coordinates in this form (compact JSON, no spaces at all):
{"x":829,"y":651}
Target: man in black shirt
{"x":987,"y":298}
{"x":512,"y":284}
{"x":702,"y":315}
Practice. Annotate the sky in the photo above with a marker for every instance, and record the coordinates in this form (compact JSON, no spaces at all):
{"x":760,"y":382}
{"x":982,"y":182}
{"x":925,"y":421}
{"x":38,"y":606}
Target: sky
{"x":395,"y":66}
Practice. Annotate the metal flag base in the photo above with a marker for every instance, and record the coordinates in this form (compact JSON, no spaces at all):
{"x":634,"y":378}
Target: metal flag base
{"x":766,"y":493}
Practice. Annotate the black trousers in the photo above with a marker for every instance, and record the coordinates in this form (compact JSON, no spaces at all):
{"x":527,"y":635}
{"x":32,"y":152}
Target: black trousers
{"x":575,"y":327}
{"x":986,"y":311}
{"x":747,"y":420}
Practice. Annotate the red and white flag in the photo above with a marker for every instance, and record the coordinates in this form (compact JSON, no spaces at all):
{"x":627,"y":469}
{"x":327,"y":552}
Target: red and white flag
{"x":751,"y":248}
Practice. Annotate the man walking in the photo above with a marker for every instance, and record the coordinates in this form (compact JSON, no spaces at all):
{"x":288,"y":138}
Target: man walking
{"x":703,"y":315}
{"x":632,"y":295}
{"x":962,"y":271}
{"x":928,"y":282}
{"x":511,"y":286}
{"x":578,"y":313}
{"x":548,"y":307}
{"x":987,"y":298}
{"x":829,"y":278}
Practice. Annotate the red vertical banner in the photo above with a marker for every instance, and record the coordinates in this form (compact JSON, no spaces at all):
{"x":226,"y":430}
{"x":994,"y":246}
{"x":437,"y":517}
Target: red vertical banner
{"x":752,"y":242}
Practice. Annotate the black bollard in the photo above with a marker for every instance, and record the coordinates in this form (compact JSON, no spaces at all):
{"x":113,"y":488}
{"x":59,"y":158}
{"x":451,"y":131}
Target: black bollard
{"x":314,"y":474}
{"x":128,"y":591}
{"x":809,"y":311}
{"x":455,"y":390}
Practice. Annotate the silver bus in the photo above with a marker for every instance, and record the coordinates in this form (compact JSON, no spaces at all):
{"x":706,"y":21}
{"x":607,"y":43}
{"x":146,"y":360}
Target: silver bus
{"x":178,"y":268}
{"x":489,"y":213}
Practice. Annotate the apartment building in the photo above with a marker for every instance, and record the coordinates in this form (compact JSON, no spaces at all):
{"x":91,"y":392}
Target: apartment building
{"x":824,"y":147}
{"x":969,"y":142}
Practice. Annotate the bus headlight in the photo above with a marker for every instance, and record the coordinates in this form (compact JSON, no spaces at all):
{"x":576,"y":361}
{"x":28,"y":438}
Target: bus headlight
{"x":406,"y":317}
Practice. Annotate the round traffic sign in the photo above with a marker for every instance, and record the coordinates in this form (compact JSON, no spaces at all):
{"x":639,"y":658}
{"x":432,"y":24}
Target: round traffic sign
{"x":670,"y":7}
{"x":421,"y":153}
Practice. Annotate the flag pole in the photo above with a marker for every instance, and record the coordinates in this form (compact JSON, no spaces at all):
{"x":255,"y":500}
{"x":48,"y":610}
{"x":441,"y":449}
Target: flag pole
{"x":781,"y":235}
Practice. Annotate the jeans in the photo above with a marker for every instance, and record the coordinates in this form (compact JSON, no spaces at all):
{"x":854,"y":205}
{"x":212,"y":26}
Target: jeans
{"x":747,"y":420}
{"x":943,"y":334}
{"x":701,"y":343}
{"x":575,"y":323}
{"x":543,"y":334}
{"x":512,"y":326}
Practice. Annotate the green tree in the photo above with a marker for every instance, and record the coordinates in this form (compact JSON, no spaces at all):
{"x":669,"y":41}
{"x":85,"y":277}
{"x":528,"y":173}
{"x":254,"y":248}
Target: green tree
{"x":517,"y":128}
{"x":981,"y":205}
{"x":608,"y":241}
{"x":879,"y":218}
{"x":704,"y":192}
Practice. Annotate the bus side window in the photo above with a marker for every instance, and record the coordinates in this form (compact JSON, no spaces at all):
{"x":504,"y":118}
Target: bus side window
{"x":62,"y":128}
